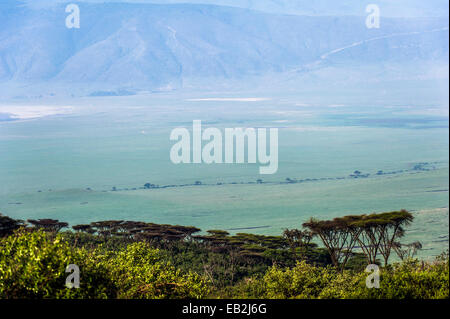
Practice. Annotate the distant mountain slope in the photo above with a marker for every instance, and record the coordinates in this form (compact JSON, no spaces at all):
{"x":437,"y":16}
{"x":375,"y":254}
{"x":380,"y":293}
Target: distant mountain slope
{"x":147,"y":46}
{"x":389,"y":8}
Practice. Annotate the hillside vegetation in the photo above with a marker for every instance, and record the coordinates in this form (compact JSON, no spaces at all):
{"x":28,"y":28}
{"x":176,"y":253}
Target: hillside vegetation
{"x":129,"y":259}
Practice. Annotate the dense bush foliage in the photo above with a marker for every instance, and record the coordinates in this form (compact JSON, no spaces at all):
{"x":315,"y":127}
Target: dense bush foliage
{"x":32,"y":265}
{"x":139,"y":272}
{"x":409,"y":279}
{"x":164,"y":261}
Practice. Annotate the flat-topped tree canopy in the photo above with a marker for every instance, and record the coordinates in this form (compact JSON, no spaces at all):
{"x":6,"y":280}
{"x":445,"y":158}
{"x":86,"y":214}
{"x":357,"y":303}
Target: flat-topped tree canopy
{"x":82,"y":228}
{"x":8,"y":225}
{"x":131,"y":225}
{"x":376,"y":219}
{"x":48,"y":224}
{"x":375,"y":233}
{"x":217,"y":232}
{"x":401,"y":217}
{"x":188,"y":230}
{"x":106,"y":224}
{"x":316,"y":226}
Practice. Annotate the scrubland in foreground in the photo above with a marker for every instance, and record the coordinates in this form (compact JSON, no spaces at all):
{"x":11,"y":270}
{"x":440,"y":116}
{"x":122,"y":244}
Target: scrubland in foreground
{"x":120,"y":259}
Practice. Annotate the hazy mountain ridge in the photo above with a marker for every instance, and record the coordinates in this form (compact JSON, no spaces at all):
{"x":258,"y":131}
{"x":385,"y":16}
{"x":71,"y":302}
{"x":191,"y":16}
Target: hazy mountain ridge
{"x":388,"y":8}
{"x":151,"y":46}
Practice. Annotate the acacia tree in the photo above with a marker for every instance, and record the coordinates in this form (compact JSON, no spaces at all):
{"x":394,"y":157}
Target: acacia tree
{"x":338,"y":236}
{"x":378,"y":233}
{"x":405,"y":251}
{"x":393,"y":230}
{"x":8,"y":225}
{"x":298,"y":239}
{"x":49,"y":225}
{"x":83,"y":228}
{"x":107,"y":227}
{"x":368,"y":239}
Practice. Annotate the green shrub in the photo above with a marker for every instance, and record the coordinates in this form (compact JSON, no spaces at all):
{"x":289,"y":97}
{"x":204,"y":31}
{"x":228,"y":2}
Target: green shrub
{"x":32,"y":265}
{"x":344,"y":286}
{"x":409,"y":280}
{"x":139,"y":272}
{"x":304,"y":281}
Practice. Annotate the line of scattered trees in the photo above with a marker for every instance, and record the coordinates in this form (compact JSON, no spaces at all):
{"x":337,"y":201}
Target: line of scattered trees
{"x":373,"y":235}
{"x":131,"y":259}
{"x":223,"y":258}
